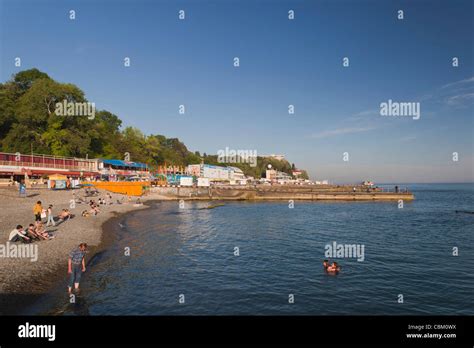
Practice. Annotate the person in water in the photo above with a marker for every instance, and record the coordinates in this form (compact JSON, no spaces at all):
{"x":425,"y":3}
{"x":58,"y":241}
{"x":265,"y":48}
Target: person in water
{"x":331,"y":268}
{"x":325,"y":264}
{"x":334,"y":267}
{"x":76,"y":266}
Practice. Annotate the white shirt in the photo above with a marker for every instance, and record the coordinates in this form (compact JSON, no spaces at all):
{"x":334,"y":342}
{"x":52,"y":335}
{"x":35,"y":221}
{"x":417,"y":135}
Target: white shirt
{"x":14,"y":233}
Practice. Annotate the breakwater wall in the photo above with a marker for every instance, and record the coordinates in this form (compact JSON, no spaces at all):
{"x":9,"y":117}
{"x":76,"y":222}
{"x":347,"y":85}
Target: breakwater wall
{"x":275,"y":193}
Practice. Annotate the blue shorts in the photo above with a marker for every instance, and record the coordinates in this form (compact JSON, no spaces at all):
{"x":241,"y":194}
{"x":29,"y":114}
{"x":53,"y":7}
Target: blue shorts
{"x":75,"y":274}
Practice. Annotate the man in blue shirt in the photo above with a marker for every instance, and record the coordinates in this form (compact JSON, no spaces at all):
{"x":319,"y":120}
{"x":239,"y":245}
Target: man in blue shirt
{"x":76,"y":265}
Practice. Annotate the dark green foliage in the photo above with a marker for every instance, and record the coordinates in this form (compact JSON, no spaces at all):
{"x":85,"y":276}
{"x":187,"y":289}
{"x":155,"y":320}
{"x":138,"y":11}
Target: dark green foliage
{"x":28,"y":123}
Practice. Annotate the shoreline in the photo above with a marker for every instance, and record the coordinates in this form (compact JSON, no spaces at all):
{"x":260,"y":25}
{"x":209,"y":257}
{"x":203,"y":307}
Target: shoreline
{"x":23,"y":290}
{"x":22,"y":282}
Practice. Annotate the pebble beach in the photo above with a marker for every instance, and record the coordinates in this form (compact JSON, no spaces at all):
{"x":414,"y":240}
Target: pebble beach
{"x":22,"y":280}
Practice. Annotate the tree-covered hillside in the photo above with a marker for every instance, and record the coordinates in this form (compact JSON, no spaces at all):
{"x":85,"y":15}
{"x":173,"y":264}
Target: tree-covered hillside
{"x":28,"y":122}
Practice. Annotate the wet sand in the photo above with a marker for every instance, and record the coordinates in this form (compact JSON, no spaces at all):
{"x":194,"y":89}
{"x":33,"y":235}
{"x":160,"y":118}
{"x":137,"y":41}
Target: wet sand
{"x":22,"y":281}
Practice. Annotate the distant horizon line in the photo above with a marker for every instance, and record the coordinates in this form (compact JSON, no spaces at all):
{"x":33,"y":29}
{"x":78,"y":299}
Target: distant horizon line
{"x":408,"y":183}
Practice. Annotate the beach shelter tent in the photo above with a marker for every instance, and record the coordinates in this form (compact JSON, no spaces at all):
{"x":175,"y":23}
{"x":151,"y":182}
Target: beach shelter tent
{"x":57,"y":182}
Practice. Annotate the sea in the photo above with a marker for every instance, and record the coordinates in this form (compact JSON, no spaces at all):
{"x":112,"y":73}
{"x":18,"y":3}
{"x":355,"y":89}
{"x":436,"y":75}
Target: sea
{"x":265,"y":258}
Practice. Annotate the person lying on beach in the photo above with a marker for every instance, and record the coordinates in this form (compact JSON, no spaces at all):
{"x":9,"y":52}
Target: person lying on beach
{"x":85,"y":213}
{"x":94,"y":209}
{"x":41,"y":231}
{"x":94,"y":205}
{"x":138,"y":203}
{"x":79,"y":199}
{"x":65,"y":214}
{"x":18,"y":234}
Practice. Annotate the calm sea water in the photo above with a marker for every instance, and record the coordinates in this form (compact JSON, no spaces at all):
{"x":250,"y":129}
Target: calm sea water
{"x":190,"y":251}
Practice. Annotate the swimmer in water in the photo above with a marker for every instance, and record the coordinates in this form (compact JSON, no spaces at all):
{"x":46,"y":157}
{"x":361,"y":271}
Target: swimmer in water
{"x":333,"y":268}
{"x":325,"y":264}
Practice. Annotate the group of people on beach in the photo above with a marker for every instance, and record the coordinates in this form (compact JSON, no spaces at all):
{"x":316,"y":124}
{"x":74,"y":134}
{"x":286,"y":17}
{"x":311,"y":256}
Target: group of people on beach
{"x":94,"y":206}
{"x":37,"y":231}
{"x":44,"y":217}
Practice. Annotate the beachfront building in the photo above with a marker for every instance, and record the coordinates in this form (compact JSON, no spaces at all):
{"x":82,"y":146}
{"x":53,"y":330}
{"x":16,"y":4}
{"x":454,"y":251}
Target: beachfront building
{"x":233,"y":175}
{"x":18,"y":167}
{"x":283,"y":177}
{"x":270,"y":174}
{"x":194,"y":170}
{"x":212,"y":172}
{"x":114,"y":169}
{"x":296,"y":173}
{"x":277,"y":176}
{"x":237,"y":176}
{"x":215,"y":173}
{"x":236,"y":173}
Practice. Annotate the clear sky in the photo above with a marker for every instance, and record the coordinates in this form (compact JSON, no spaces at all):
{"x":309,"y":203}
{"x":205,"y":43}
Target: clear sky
{"x":282,"y":62}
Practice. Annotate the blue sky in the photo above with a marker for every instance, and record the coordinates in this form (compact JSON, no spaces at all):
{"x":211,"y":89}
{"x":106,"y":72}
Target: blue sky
{"x":282,"y":62}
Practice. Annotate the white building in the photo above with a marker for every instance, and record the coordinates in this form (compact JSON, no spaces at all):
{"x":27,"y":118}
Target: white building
{"x":215,"y":173}
{"x":233,"y":175}
{"x":275,"y":175}
{"x":236,"y":173}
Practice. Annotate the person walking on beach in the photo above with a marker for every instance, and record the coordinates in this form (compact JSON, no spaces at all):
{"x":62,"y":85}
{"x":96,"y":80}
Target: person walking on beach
{"x":50,"y":216}
{"x":22,"y":189}
{"x":76,"y":265}
{"x":37,"y":210}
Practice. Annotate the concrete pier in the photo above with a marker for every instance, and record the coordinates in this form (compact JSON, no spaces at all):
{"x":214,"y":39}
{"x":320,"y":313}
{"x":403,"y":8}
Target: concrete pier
{"x":280,"y":192}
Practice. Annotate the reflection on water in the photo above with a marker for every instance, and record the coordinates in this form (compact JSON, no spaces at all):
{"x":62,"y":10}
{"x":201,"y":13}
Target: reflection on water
{"x":190,"y":252}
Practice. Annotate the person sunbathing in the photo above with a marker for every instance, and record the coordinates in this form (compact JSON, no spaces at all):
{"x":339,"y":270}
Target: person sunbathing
{"x":65,"y":214}
{"x":138,"y":203}
{"x":94,"y":205}
{"x":41,"y":231}
{"x":85,"y":213}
